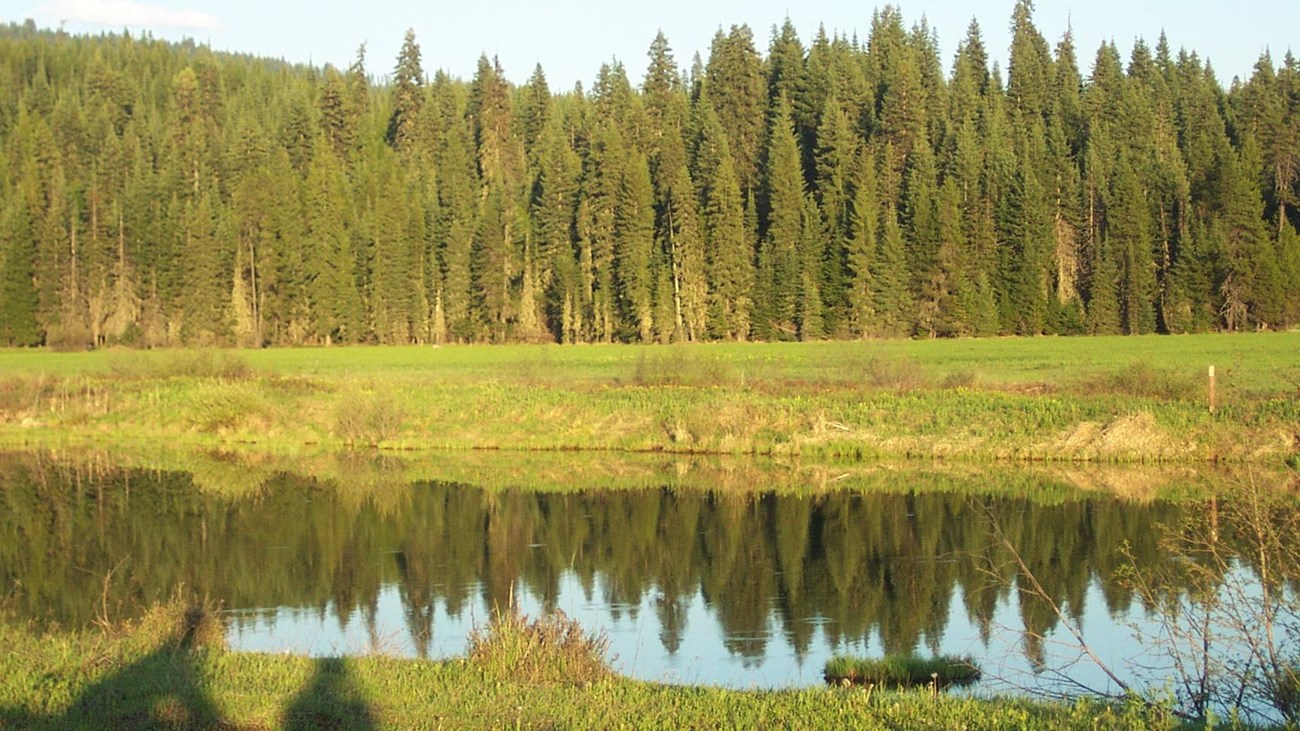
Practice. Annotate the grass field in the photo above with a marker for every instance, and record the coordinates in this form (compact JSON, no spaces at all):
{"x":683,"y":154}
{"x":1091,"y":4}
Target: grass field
{"x":169,"y":671}
{"x":1099,"y":399}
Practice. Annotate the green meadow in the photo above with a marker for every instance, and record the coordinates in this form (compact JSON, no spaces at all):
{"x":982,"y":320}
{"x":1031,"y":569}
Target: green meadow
{"x":1120,"y":399}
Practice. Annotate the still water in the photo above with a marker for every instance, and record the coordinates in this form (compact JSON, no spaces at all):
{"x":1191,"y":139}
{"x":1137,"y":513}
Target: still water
{"x":733,"y":587}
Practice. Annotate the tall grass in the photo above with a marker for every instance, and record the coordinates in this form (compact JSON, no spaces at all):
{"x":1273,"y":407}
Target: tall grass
{"x":902,"y":671}
{"x":550,"y":649}
{"x":213,"y":364}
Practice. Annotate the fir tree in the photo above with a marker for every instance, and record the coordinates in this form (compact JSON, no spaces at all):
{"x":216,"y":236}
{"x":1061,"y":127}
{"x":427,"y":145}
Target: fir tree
{"x":634,"y":246}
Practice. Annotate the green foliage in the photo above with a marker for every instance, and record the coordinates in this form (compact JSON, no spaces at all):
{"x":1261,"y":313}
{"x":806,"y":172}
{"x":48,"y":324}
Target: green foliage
{"x":156,"y":194}
{"x":902,"y":671}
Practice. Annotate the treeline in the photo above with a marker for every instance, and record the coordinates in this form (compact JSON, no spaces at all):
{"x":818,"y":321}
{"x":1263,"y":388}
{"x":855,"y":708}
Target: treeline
{"x":156,"y":194}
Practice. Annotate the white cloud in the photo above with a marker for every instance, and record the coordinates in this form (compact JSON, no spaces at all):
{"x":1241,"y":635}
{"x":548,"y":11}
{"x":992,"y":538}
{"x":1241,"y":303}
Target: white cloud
{"x":119,"y":13}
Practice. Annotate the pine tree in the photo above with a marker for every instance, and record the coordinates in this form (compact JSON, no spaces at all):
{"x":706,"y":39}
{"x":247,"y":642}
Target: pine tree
{"x":837,"y":150}
{"x":18,"y":298}
{"x":1130,"y":237}
{"x":810,"y":319}
{"x":729,"y":253}
{"x":863,"y":247}
{"x":207,"y":276}
{"x":408,"y":97}
{"x":535,"y":111}
{"x":1252,"y":287}
{"x":634,"y":247}
{"x":554,"y":206}
{"x":459,"y":189}
{"x":737,"y":88}
{"x":331,"y":280}
{"x":686,"y":255}
{"x":490,"y":267}
{"x":893,"y":303}
{"x":779,"y":262}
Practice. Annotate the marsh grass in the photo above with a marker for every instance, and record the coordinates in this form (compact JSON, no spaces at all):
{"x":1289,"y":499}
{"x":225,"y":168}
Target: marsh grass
{"x":24,"y":393}
{"x":550,"y":649}
{"x":681,"y":366}
{"x":902,"y":671}
{"x":227,"y":365}
{"x":369,"y":418}
{"x":1142,"y":380}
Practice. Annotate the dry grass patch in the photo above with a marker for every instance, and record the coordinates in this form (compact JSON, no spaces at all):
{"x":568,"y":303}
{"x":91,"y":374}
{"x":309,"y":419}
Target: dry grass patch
{"x":550,"y":650}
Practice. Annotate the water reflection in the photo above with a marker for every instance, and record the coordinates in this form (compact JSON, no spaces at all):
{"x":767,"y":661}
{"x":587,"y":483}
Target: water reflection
{"x":732,"y":587}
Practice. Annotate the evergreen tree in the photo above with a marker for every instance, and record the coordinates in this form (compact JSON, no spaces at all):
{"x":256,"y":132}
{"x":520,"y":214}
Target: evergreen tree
{"x":634,"y":247}
{"x":686,"y":255}
{"x":862,"y":248}
{"x":893,"y":303}
{"x":408,"y":97}
{"x":737,"y":88}
{"x":779,"y":260}
{"x":18,"y":299}
{"x":729,"y":253}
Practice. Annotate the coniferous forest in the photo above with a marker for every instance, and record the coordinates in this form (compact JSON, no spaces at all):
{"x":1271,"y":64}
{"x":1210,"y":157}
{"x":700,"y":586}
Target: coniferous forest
{"x":155,"y":194}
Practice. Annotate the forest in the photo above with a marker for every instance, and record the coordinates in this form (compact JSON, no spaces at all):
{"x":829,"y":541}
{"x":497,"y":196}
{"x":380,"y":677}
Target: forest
{"x":156,"y":194}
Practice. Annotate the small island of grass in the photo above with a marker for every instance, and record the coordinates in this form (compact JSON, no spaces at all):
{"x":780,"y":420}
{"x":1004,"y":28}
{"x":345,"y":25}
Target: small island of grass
{"x":902,"y":671}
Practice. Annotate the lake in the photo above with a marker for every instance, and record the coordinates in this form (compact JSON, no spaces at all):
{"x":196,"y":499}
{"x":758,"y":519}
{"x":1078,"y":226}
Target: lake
{"x":717,"y":572}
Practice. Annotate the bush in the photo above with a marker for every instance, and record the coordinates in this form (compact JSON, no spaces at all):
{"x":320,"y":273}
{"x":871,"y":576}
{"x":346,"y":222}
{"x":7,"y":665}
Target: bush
{"x":218,"y":407}
{"x":369,"y":418}
{"x":552,"y":649}
{"x":1142,"y":380}
{"x":216,"y":364}
{"x":680,"y":366}
{"x":22,"y":394}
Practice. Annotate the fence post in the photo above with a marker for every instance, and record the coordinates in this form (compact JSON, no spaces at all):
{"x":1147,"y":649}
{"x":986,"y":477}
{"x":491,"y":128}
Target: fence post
{"x":1211,"y":389}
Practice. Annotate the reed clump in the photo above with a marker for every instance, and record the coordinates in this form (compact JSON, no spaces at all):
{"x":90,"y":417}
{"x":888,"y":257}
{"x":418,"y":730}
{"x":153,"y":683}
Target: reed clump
{"x":902,"y":671}
{"x":552,"y":649}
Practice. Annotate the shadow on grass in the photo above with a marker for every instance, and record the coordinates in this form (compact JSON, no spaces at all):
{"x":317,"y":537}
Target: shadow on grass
{"x":330,"y":701}
{"x":169,"y":689}
{"x":163,"y":689}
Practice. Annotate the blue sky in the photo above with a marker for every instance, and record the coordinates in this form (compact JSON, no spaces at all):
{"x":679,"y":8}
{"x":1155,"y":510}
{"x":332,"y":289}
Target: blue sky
{"x":571,"y":38}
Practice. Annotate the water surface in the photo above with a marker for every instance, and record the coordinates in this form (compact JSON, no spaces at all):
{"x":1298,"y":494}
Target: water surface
{"x":734,"y":587}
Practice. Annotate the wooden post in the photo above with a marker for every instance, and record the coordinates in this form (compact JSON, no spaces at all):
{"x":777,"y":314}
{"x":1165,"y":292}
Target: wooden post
{"x":1211,"y":389}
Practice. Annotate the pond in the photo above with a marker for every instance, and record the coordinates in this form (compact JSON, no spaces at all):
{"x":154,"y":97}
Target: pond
{"x":693,"y":581}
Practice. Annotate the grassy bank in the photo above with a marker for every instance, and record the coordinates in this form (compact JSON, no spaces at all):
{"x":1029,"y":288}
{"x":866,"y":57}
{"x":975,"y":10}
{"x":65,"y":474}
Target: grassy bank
{"x":170,"y":671}
{"x":1097,"y":399}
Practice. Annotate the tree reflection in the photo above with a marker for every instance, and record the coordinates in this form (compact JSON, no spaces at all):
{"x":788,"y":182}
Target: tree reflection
{"x":855,"y":564}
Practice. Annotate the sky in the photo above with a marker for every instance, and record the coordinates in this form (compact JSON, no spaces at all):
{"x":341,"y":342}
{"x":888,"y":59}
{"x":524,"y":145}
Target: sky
{"x":572,"y":38}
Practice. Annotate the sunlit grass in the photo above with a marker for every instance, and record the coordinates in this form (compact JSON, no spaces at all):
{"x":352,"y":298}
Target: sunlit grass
{"x":1099,"y":399}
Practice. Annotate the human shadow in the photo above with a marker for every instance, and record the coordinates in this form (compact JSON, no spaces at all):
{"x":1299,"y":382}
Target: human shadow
{"x":163,"y":689}
{"x":330,"y":700}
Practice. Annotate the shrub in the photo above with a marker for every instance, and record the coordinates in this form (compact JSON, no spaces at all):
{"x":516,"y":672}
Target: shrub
{"x":369,"y":418}
{"x":552,"y":649}
{"x":21,"y":394}
{"x":680,"y":366}
{"x":218,"y":407}
{"x":1142,"y":380}
{"x":216,"y":364}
